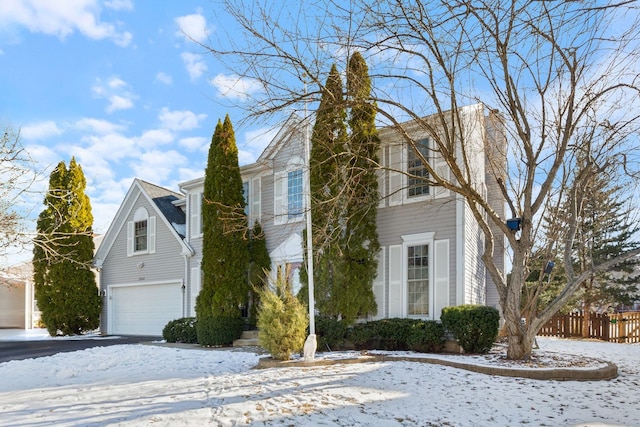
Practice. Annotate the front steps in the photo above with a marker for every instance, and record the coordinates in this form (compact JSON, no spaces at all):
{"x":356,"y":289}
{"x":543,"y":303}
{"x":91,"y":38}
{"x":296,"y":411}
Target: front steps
{"x":247,"y":339}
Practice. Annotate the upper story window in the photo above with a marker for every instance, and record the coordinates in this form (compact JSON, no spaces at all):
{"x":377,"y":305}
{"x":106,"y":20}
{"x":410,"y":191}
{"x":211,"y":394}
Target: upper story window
{"x":294,"y":193}
{"x":140,"y":236}
{"x":417,"y":174}
{"x":288,"y":192}
{"x":141,"y":233}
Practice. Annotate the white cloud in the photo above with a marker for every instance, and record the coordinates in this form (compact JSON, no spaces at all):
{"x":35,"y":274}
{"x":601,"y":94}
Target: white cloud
{"x":99,"y":126}
{"x":194,"y":64}
{"x":119,"y":5}
{"x":157,"y":166}
{"x":180,"y":120}
{"x":62,"y":19}
{"x":164,"y":78}
{"x":194,"y":143}
{"x":40,"y":130}
{"x":116,"y":92}
{"x":112,"y":146}
{"x":192,"y":27}
{"x":155,"y":137}
{"x":235,"y":87}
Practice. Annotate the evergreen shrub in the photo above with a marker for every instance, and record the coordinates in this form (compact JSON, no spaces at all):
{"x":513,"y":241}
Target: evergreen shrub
{"x":282,"y":320}
{"x":213,"y":331}
{"x":181,"y":330}
{"x":331,"y":333}
{"x":384,"y":334}
{"x":427,"y":337}
{"x":475,"y":327}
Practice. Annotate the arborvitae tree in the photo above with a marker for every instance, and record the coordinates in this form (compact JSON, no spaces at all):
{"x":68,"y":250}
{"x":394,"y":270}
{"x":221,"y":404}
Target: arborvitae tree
{"x":225,"y":255}
{"x":65,"y":285}
{"x":259,"y":266}
{"x":328,"y":141}
{"x":344,"y":196}
{"x":359,"y":240}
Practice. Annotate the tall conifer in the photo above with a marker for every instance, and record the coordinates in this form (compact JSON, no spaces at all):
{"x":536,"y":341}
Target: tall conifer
{"x":65,"y":286}
{"x":225,"y":256}
{"x":344,"y":196}
{"x":328,"y":140}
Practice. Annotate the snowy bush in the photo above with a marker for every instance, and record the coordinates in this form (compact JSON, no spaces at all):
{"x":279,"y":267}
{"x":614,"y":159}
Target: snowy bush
{"x":282,"y":319}
{"x":475,"y":327}
{"x":181,"y":330}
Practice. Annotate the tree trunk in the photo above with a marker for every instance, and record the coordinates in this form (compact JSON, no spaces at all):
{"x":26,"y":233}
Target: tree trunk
{"x":586,"y":318}
{"x":519,"y":338}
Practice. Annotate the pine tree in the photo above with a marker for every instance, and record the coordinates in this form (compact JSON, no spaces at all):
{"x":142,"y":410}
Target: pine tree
{"x":604,"y":232}
{"x":65,"y":286}
{"x":225,"y":256}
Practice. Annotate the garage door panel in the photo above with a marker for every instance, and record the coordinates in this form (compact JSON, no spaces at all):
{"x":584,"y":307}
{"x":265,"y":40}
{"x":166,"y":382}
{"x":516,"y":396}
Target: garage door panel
{"x":144,"y":310}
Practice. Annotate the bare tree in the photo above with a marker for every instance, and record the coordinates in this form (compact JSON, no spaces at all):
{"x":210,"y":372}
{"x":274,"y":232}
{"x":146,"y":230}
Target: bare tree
{"x":16,"y":178}
{"x":552,"y":73}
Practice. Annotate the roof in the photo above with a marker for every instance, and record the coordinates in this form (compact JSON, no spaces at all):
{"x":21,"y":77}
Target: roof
{"x":164,"y":199}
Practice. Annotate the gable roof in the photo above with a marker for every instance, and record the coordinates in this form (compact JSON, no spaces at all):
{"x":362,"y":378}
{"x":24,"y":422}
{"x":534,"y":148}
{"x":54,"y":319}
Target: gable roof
{"x":292,"y":126}
{"x":162,"y":201}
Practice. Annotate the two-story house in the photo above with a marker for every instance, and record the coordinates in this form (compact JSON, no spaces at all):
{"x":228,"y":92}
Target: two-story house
{"x":430,"y":243}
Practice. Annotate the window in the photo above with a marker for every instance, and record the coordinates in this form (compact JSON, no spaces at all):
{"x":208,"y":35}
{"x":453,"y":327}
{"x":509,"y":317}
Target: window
{"x":141,"y":233}
{"x":294,"y":194}
{"x":247,"y":204}
{"x":417,"y":174}
{"x":288,"y":203}
{"x":418,"y":280}
{"x":140,"y":236}
{"x":195,"y":214}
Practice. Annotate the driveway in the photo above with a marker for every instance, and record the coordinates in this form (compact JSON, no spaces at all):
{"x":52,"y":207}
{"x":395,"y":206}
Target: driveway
{"x":19,"y":344}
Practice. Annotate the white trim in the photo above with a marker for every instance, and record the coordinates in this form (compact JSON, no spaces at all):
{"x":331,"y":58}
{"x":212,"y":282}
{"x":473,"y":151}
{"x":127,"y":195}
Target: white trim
{"x":397,"y":305}
{"x":415,"y":240}
{"x":460,"y":249}
{"x":378,"y":285}
{"x":109,"y":295}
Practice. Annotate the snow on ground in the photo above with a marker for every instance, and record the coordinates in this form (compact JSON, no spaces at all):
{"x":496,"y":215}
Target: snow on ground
{"x":141,"y":385}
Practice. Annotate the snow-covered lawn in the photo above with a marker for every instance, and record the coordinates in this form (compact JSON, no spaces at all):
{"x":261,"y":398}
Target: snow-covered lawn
{"x":167,"y":386}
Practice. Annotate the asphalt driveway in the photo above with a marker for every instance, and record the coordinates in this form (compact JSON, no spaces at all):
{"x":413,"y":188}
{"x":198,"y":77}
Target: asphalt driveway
{"x":27,"y":344}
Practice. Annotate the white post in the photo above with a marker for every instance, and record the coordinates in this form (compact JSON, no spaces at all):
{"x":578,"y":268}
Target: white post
{"x":311,"y":343}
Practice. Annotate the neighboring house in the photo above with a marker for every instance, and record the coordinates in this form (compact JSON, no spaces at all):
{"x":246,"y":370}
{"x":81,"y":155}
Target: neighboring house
{"x":430,"y":242}
{"x":17,"y":306}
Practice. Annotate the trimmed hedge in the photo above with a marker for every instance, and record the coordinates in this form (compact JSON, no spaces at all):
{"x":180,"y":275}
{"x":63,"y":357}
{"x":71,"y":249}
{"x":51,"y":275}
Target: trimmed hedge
{"x":398,"y":334}
{"x":331,"y":333}
{"x":219,"y":331}
{"x":474,"y":326}
{"x":427,"y":337}
{"x":181,"y":330}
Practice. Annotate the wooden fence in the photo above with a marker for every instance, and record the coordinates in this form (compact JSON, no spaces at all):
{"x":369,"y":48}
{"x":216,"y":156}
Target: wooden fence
{"x":617,"y":327}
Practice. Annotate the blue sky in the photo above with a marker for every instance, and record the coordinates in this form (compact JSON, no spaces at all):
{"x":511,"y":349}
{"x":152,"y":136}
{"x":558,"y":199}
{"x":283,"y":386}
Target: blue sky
{"x":117,"y":85}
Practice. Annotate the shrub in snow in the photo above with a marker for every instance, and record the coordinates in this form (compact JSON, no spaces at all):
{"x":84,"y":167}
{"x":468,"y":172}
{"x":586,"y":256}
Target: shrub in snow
{"x":331,"y":333}
{"x":475,"y":327}
{"x":426,"y":337}
{"x":282,"y":319}
{"x":181,"y":330}
{"x":216,"y":331}
{"x":385,"y":334}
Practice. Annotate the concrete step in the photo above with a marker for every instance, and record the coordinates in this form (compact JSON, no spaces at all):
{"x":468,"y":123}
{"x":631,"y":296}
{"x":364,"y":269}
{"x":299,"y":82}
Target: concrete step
{"x":247,"y":339}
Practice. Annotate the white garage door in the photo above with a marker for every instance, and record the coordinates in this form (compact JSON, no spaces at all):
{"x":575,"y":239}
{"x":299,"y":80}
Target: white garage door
{"x":144,"y":310}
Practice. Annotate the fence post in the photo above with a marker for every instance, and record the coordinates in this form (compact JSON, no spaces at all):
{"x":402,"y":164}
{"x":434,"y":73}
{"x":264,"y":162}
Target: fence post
{"x":622,"y":326}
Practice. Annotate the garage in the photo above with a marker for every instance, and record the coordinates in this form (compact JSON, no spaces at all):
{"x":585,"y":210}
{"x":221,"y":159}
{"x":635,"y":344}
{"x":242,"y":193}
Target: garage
{"x":143,"y":309}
